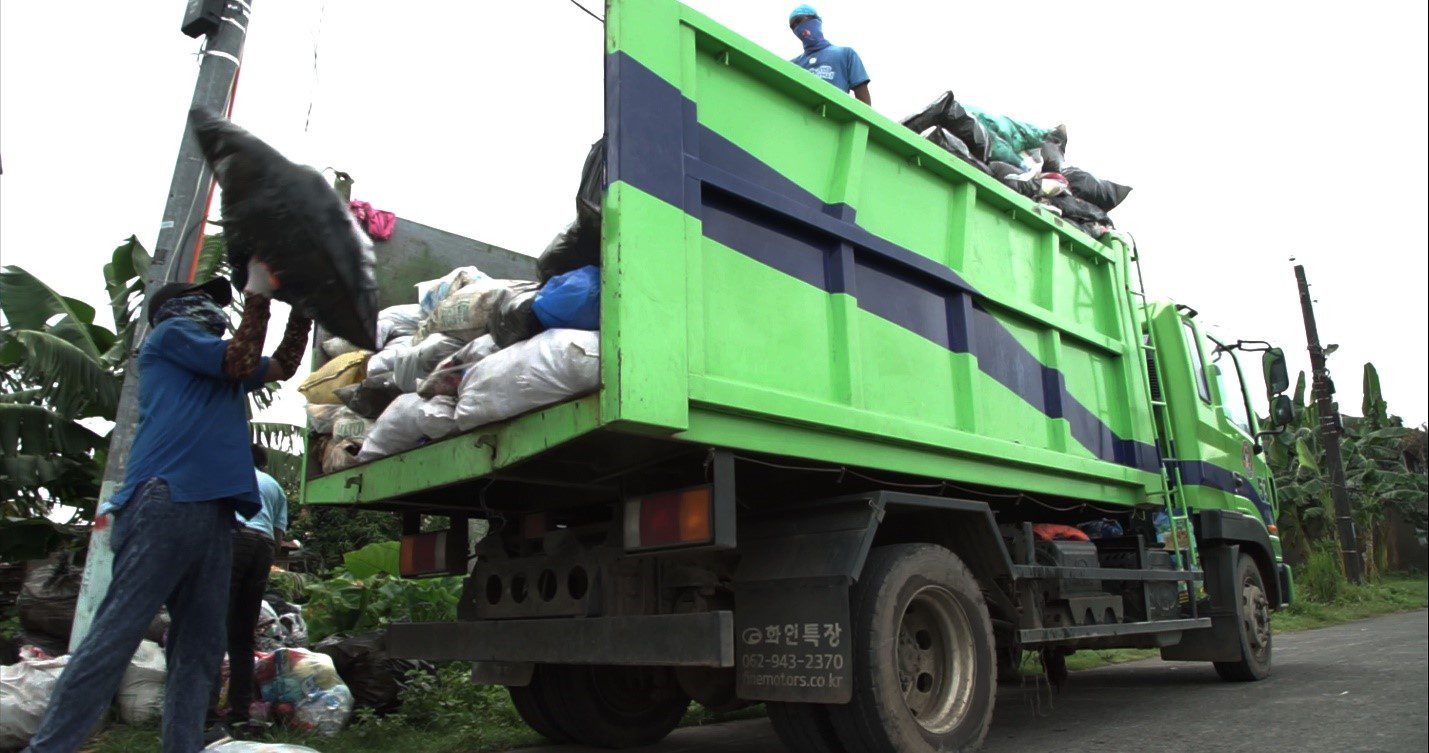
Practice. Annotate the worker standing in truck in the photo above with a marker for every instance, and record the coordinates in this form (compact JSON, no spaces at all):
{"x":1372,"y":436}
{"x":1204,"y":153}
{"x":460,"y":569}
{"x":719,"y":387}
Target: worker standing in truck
{"x":840,"y":66}
{"x":256,"y":541}
{"x":189,"y":470}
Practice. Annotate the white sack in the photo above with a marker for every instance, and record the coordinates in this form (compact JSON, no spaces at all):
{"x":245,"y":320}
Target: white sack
{"x":548,"y":368}
{"x":437,"y":417}
{"x":395,"y":430}
{"x":141,"y":691}
{"x":25,"y":689}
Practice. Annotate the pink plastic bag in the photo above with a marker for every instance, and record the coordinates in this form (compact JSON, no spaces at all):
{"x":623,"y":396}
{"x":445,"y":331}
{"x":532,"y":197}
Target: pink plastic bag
{"x":379,"y":224}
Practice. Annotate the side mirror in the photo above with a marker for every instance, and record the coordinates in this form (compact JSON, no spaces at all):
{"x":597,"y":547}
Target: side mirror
{"x":1277,"y":377}
{"x":1282,"y":411}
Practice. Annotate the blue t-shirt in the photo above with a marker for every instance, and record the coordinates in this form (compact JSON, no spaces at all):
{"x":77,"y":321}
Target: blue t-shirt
{"x":839,"y":66}
{"x":193,"y":421}
{"x":273,"y":515}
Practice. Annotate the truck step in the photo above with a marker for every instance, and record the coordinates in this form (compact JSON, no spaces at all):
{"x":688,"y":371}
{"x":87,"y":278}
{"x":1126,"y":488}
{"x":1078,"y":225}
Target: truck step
{"x":1035,"y":636}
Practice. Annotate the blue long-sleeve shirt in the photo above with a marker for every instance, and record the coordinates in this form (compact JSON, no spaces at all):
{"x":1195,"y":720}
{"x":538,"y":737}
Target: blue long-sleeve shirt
{"x":193,"y":421}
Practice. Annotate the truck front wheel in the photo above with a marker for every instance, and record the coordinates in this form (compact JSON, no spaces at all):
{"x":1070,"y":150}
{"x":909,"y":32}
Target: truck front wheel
{"x":610,"y":707}
{"x":925,"y":666}
{"x":1253,"y":619}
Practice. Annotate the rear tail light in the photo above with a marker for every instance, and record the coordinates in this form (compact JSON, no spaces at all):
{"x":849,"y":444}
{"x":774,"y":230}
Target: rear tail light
{"x":424,"y":554}
{"x":670,"y":519}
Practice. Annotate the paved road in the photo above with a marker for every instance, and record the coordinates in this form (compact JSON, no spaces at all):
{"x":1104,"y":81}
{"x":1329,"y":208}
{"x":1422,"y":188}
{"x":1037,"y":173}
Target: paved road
{"x":1356,"y":687}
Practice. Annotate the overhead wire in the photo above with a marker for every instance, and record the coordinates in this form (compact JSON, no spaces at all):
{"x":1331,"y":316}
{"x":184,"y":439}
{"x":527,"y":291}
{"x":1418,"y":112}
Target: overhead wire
{"x":587,"y":11}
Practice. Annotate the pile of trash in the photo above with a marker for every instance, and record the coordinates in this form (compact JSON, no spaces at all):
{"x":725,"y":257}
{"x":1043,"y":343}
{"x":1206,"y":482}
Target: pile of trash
{"x":302,"y":690}
{"x":468,"y":351}
{"x":26,"y":686}
{"x":1029,"y":159}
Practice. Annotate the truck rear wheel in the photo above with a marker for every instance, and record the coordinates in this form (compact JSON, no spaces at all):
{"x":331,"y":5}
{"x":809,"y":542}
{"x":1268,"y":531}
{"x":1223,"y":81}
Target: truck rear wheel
{"x":804,"y":727}
{"x":611,"y":707}
{"x":1253,"y":617}
{"x":924,"y":667}
{"x":532,"y":710}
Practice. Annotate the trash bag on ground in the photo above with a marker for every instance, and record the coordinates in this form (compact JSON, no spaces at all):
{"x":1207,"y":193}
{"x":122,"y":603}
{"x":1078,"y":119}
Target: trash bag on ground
{"x":397,"y":321}
{"x":1105,"y":194}
{"x":550,"y":367}
{"x":396,"y":429}
{"x":321,"y":416}
{"x":279,"y":625}
{"x":227,"y":745}
{"x":464,"y":314}
{"x":436,"y":418}
{"x":25,"y":689}
{"x":513,"y":320}
{"x":307,"y":681}
{"x":341,"y":454}
{"x":287,"y":216}
{"x":570,"y":300}
{"x":370,"y":397}
{"x":414,"y":364}
{"x":375,"y":678}
{"x":383,"y":361}
{"x":431,"y":293}
{"x":140,"y":698}
{"x":445,"y":379}
{"x":46,"y":602}
{"x":321,"y":386}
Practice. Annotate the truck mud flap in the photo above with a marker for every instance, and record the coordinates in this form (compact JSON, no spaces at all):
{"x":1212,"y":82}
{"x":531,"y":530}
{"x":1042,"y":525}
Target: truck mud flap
{"x":792,"y":630}
{"x":704,"y":639}
{"x":1221,"y":641}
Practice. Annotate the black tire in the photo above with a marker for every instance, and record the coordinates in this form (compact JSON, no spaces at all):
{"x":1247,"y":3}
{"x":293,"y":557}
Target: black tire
{"x":1253,"y":617}
{"x":924,"y":662}
{"x":533,"y":711}
{"x":612,"y":707}
{"x":804,"y":727}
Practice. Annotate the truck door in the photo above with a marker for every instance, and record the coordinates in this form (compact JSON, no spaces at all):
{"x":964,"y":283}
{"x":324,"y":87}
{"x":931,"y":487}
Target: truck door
{"x":1219,"y":466}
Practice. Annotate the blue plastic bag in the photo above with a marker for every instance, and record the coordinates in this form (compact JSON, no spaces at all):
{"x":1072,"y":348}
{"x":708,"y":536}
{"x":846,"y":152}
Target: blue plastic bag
{"x":570,"y":300}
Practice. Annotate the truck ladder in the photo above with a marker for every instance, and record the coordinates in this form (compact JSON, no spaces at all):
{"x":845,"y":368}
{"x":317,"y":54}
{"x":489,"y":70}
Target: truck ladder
{"x":1177,"y":512}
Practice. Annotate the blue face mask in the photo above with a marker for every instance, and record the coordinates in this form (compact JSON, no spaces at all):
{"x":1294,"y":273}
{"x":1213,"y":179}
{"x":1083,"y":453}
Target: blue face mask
{"x":811,"y":33}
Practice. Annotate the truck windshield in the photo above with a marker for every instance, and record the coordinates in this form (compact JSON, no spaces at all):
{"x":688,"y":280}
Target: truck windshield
{"x":1232,"y":394}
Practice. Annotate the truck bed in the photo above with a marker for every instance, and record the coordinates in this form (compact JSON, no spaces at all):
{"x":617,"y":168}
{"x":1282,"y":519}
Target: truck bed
{"x":787,"y":272}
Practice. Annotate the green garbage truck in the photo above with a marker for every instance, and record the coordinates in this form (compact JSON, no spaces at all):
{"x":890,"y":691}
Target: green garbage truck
{"x":869,"y":427}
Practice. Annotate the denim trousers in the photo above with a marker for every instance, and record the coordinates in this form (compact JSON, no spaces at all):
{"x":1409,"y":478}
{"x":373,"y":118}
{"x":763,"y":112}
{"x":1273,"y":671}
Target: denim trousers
{"x":165,"y":553}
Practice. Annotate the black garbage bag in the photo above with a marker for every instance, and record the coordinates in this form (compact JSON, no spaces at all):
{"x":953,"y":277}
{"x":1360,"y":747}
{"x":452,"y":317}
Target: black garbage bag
{"x":579,"y":244}
{"x":375,"y":679}
{"x":959,"y":148}
{"x":945,"y":112}
{"x":1083,"y":214}
{"x":575,"y":247}
{"x":46,"y":603}
{"x":513,"y":319}
{"x":371,"y":396}
{"x":1003,"y":170}
{"x":1052,"y":157}
{"x":1103,"y":193}
{"x":590,"y":197}
{"x":287,"y":216}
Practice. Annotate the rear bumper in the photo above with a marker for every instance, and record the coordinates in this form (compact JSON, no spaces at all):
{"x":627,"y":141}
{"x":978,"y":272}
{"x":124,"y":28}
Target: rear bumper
{"x":705,"y":639}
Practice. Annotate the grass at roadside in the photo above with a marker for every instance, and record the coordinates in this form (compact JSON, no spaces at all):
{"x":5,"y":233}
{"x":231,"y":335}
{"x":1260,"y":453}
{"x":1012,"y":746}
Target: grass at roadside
{"x":497,"y":728}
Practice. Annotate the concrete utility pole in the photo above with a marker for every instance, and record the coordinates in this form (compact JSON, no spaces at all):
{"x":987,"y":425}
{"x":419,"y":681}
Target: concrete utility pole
{"x":224,"y":26}
{"x":1329,"y":430}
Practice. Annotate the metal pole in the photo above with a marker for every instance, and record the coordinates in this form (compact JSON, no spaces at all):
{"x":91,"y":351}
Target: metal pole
{"x":1329,"y":430}
{"x":175,"y":259}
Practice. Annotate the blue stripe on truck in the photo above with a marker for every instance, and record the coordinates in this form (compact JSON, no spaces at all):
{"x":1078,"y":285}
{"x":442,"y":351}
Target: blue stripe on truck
{"x":748,"y":206}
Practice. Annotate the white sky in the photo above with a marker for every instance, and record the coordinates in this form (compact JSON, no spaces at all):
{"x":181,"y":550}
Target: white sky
{"x":1252,"y":131}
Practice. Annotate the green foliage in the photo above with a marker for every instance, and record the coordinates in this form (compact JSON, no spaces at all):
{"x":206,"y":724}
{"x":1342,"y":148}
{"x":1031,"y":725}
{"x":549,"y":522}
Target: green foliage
{"x":1321,"y":579}
{"x":1381,"y":473}
{"x":292,"y":586}
{"x":345,"y":603}
{"x":446,"y":699}
{"x":330,"y":532}
{"x":380,"y":557}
